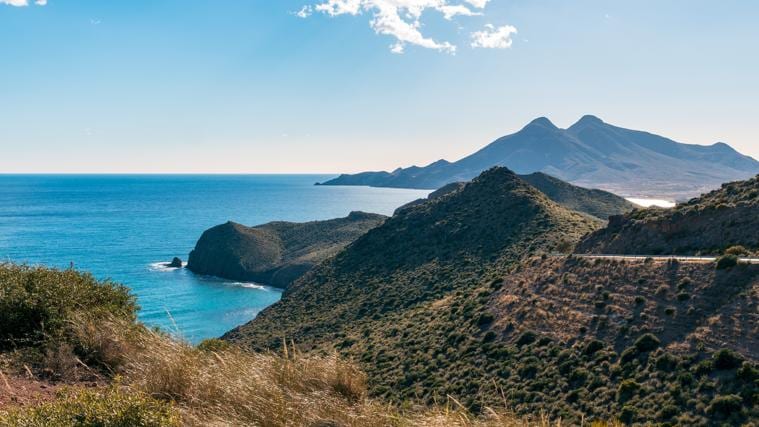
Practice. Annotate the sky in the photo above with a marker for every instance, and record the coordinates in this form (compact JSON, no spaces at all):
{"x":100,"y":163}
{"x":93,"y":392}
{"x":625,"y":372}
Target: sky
{"x":328,"y":86}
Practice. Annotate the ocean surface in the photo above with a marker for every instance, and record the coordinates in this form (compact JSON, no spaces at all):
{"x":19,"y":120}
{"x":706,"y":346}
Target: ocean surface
{"x":124,"y":227}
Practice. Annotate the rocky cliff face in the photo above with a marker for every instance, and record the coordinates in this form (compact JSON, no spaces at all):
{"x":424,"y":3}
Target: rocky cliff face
{"x":277,"y":253}
{"x":707,"y":225}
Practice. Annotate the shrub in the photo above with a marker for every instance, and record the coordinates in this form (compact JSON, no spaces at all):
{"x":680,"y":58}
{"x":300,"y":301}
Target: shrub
{"x":627,"y":415}
{"x":647,"y":342}
{"x":627,"y":389}
{"x":527,"y":337}
{"x":726,"y":261}
{"x":594,"y":346}
{"x":38,"y":304}
{"x":113,"y":407}
{"x":683,"y":296}
{"x":726,"y":359}
{"x":747,"y":372}
{"x":639,"y":300}
{"x":725,"y":406}
{"x":737,"y":250}
{"x":628,"y":355}
{"x":666,"y":362}
{"x":485,"y":319}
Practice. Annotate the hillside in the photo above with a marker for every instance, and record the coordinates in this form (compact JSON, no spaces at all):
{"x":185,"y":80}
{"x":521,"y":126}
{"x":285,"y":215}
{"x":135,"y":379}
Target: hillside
{"x":445,"y":299}
{"x":396,"y":296}
{"x":276,"y":253}
{"x":598,"y":203}
{"x":601,"y":204}
{"x":704,"y":225}
{"x":72,"y":355}
{"x":590,"y":154}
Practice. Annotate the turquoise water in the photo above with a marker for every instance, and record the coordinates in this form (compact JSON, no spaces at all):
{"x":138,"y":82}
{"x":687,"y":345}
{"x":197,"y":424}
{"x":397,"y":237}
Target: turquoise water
{"x":123,"y":227}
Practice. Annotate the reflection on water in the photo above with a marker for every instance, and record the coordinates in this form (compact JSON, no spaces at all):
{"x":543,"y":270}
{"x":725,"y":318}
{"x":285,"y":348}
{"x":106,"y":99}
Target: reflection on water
{"x":646,"y":203}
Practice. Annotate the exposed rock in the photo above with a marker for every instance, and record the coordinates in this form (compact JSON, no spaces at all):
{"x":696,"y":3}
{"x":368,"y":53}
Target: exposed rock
{"x":175,"y":263}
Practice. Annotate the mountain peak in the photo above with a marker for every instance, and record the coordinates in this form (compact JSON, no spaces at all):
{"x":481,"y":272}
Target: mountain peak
{"x":587,"y":120}
{"x":542,"y":122}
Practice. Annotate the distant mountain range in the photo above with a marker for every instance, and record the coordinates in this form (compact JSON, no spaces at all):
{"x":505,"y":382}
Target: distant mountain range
{"x":591,"y":154}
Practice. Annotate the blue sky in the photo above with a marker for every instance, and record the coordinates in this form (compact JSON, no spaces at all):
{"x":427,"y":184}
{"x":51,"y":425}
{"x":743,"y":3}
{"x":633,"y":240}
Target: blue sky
{"x":249,"y":86}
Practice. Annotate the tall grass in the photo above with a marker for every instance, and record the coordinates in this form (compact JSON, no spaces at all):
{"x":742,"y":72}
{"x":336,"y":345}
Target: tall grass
{"x":230,"y":386}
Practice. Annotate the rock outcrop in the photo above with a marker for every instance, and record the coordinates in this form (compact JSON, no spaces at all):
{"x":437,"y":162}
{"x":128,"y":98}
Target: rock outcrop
{"x":277,"y":253}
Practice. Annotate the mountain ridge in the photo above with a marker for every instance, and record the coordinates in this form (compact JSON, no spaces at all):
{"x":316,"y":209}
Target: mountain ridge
{"x":590,"y":153}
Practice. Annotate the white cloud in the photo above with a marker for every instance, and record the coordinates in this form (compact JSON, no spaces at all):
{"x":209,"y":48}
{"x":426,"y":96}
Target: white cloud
{"x":400,"y":18}
{"x":494,"y":38}
{"x":21,"y":3}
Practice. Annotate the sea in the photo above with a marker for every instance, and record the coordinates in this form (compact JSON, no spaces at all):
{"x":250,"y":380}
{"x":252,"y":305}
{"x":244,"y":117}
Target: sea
{"x":126,"y":227}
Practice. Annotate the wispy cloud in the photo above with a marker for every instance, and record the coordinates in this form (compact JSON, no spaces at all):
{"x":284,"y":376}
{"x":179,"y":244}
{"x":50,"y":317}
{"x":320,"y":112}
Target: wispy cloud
{"x":400,"y":19}
{"x":494,"y":38}
{"x":21,"y":3}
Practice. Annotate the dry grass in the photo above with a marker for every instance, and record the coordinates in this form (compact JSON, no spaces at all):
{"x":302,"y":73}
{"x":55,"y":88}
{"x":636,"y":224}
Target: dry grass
{"x":235,"y":387}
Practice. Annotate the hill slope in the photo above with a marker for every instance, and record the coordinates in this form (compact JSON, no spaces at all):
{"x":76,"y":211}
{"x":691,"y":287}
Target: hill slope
{"x":276,"y":253}
{"x":601,"y":204}
{"x":707,"y":224}
{"x":591,"y":154}
{"x":444,"y":300}
{"x":402,"y":288}
{"x":598,"y":203}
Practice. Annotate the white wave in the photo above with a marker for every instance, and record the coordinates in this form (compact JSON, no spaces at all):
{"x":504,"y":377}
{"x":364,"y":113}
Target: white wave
{"x":164,"y":266}
{"x":249,"y":285}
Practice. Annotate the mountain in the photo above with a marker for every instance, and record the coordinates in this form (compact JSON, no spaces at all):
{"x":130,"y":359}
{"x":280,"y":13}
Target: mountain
{"x":708,"y":224}
{"x":591,"y":154}
{"x":598,"y":203}
{"x":457,"y":297}
{"x":276,"y":253}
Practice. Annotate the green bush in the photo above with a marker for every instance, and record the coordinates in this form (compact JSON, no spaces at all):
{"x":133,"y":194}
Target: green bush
{"x":593,"y":346}
{"x":627,"y":389}
{"x":528,"y":337}
{"x":726,"y":261}
{"x":726,"y":359}
{"x":725,"y":406}
{"x":111,"y":408}
{"x":647,"y":342}
{"x":485,"y":319}
{"x":38,"y":303}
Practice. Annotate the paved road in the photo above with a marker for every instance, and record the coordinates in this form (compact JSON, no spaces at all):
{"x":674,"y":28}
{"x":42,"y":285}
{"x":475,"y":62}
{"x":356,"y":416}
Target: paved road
{"x":698,"y":259}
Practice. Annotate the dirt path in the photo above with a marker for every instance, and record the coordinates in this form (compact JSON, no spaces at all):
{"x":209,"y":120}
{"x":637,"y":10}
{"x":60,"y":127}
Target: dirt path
{"x":20,"y":391}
